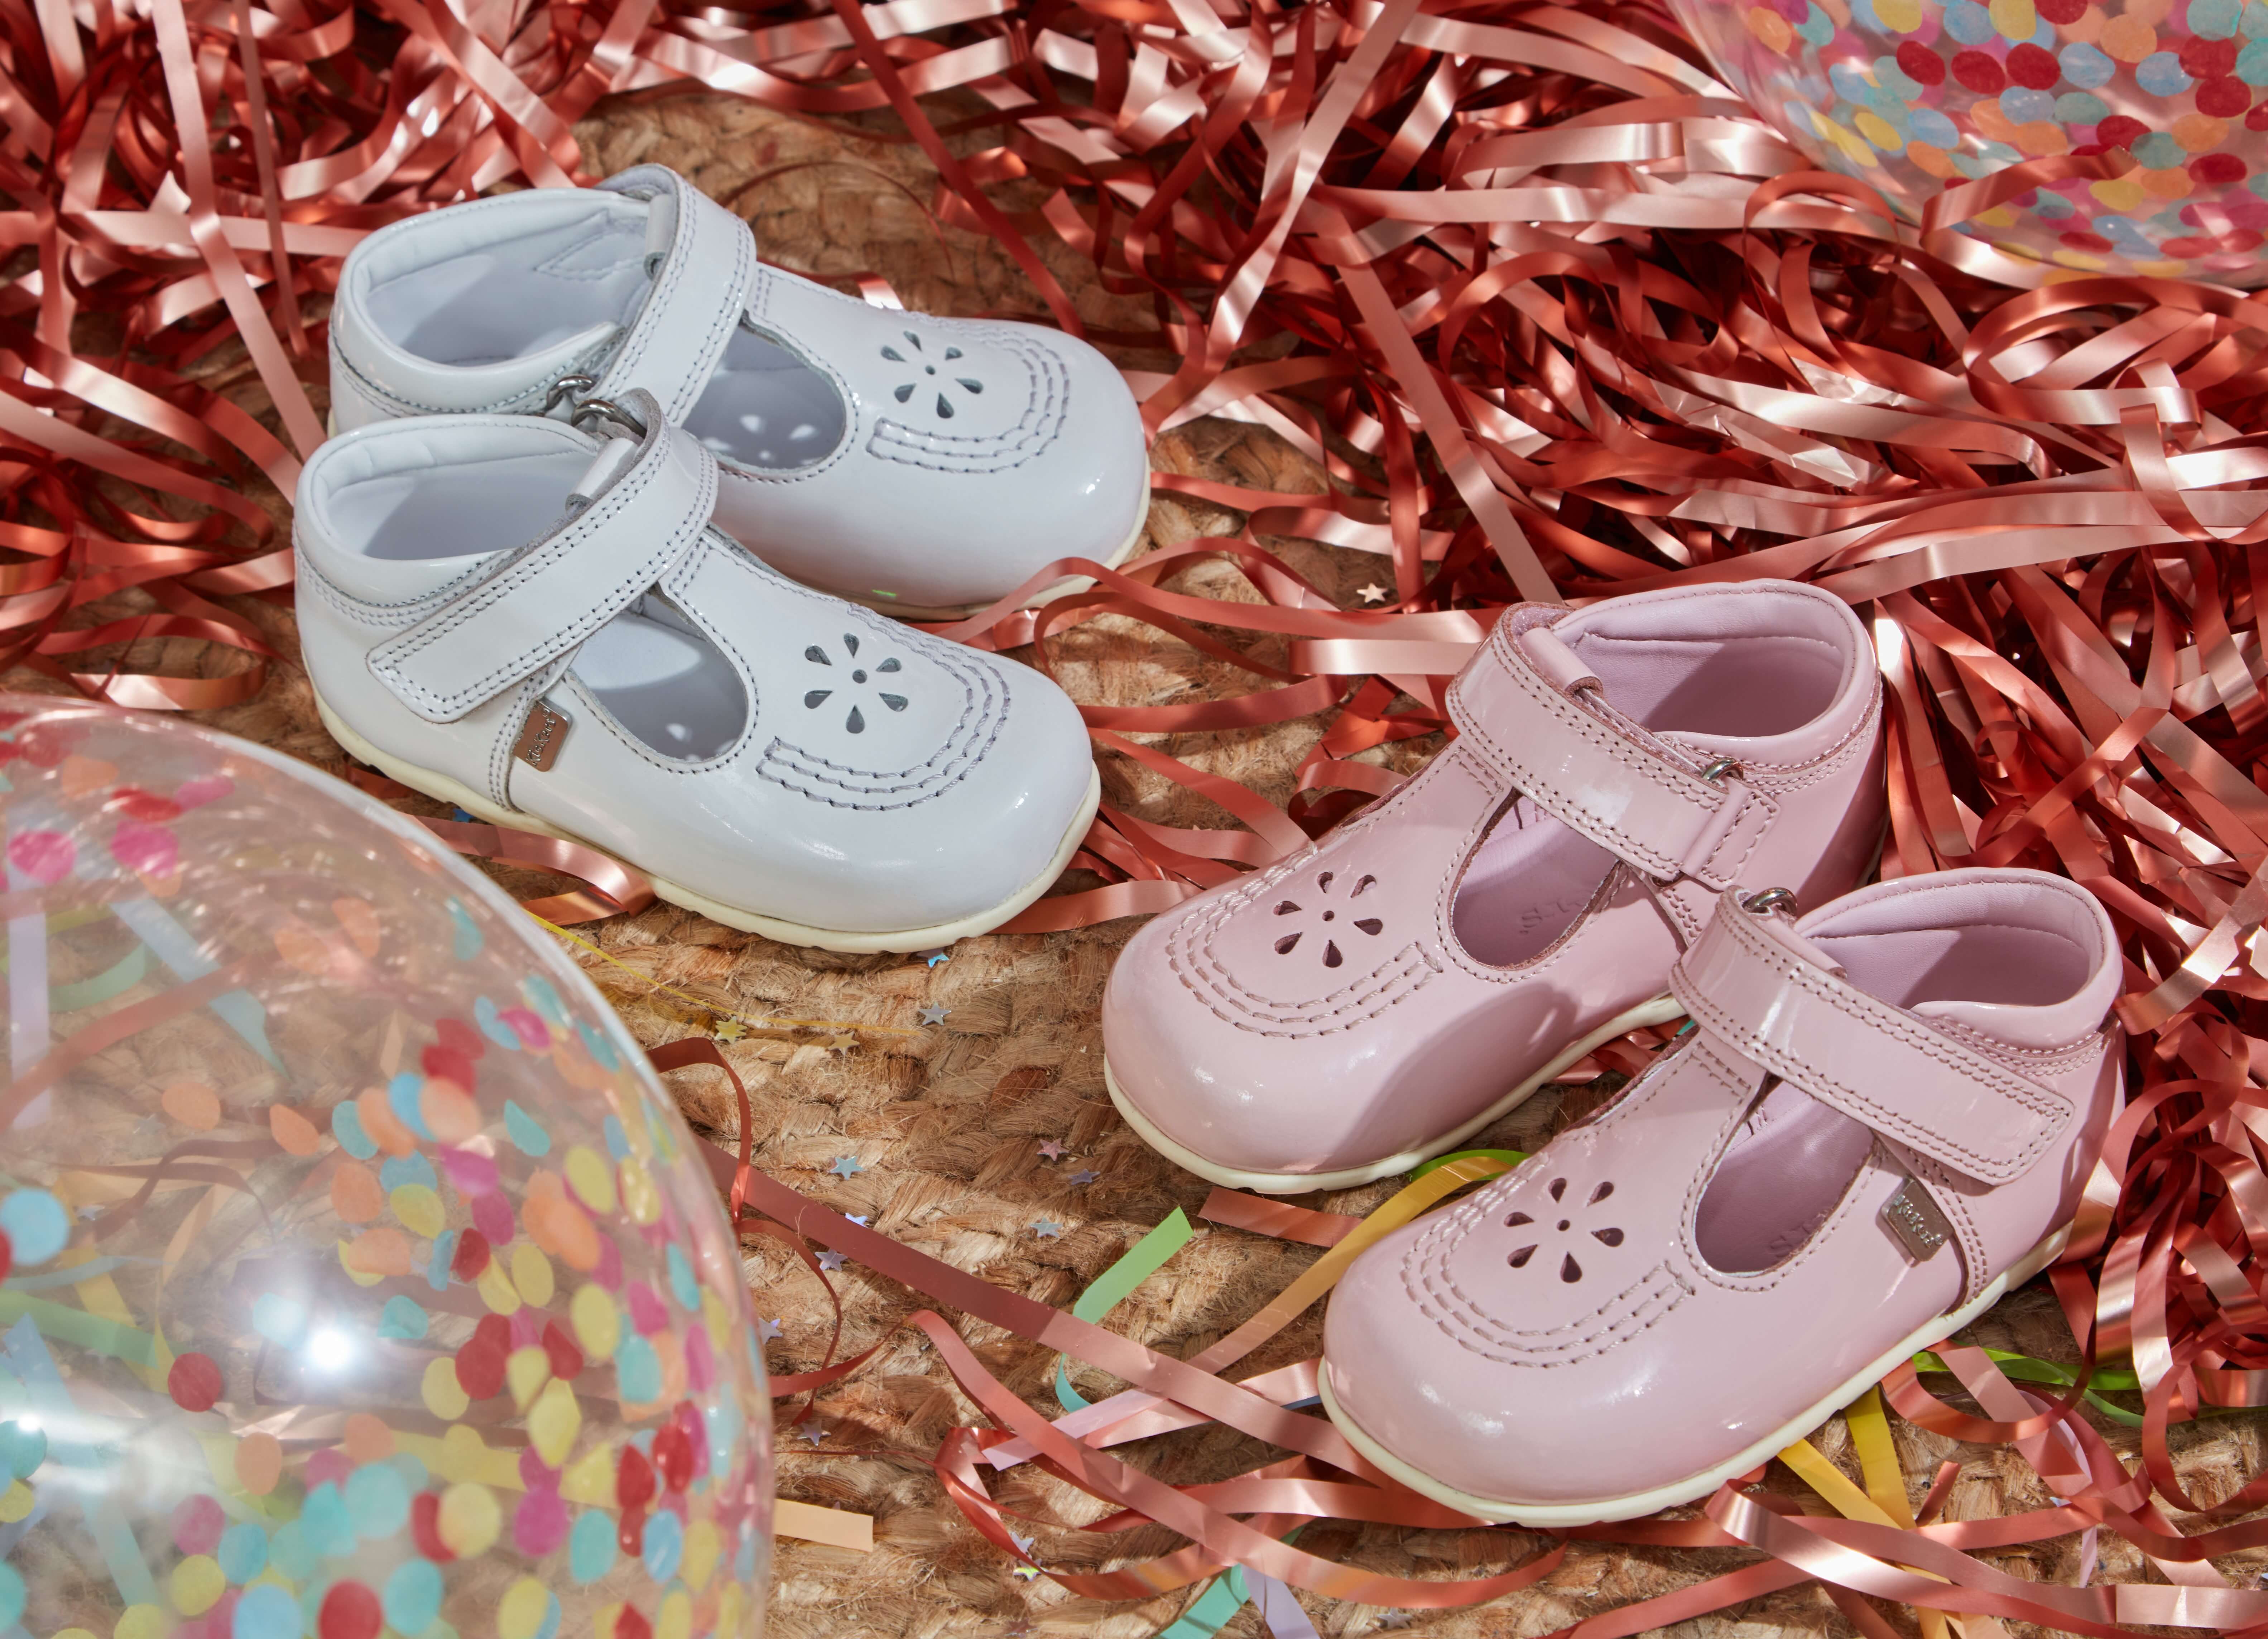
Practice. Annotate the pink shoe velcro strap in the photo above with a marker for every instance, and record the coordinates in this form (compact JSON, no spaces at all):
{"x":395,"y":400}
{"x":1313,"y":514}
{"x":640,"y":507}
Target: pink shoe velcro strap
{"x":1626,"y":795}
{"x":548,"y":597}
{"x":1873,"y":1062}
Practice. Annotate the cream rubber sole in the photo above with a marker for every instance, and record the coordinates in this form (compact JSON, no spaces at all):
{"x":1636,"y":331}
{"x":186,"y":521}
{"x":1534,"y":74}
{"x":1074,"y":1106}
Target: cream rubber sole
{"x":1660,"y":1011}
{"x":961,"y":612}
{"x":441,"y":788}
{"x":1552,"y":1516}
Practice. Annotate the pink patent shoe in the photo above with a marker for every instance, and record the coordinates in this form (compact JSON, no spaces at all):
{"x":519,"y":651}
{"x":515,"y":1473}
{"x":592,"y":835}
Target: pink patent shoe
{"x":1374,"y":1001}
{"x":1884,"y":1118}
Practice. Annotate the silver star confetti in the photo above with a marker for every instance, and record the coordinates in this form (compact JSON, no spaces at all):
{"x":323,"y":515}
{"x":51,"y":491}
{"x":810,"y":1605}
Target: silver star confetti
{"x":933,"y":957}
{"x":1053,"y":1148}
{"x":846,"y":1165}
{"x":830,"y":1260}
{"x":1372,"y":593}
{"x":812,"y":1433}
{"x":767,"y":1331}
{"x":856,"y":1219}
{"x":1029,"y":1572}
{"x":1048,"y":1229}
{"x":1394,"y":1619}
{"x":1023,"y":1544}
{"x":934,"y":1015}
{"x":1083,"y":1177}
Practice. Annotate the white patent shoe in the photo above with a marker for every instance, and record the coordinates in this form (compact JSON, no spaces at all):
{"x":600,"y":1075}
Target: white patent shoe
{"x":925,"y":467}
{"x":544,"y":627}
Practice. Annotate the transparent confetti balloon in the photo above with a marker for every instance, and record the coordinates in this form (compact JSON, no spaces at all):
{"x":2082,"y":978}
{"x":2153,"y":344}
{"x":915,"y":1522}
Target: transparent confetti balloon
{"x":359,"y":1276}
{"x":1911,"y":95}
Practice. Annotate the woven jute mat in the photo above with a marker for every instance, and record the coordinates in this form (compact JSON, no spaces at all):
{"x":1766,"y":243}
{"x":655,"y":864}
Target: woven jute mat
{"x":946,"y":1124}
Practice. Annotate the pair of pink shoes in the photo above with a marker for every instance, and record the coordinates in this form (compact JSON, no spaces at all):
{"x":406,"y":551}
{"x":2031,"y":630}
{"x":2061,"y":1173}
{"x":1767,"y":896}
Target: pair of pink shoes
{"x":1882,"y":1117}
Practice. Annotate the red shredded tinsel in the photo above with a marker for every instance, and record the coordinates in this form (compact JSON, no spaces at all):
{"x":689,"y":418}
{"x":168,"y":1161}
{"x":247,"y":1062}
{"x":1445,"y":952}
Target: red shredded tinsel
{"x":1560,"y":317}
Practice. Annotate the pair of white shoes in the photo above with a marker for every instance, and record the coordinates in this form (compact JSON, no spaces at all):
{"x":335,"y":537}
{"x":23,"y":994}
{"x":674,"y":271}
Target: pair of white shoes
{"x":583,"y":560}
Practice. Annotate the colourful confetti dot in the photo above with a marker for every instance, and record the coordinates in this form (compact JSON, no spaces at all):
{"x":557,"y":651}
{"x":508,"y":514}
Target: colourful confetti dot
{"x":466,"y":943}
{"x":194,"y":1104}
{"x":663,"y":1547}
{"x":196,"y":1585}
{"x":412,"y":1601}
{"x":401,"y":1317}
{"x":481,"y":1362}
{"x":539,"y":1524}
{"x":356,"y":1196}
{"x":23,"y":1448}
{"x":703,"y":1548}
{"x":195,"y":1381}
{"x":674,"y":1620}
{"x":469,"y":1172}
{"x":140,"y":1621}
{"x":526,"y":1370}
{"x":590,"y":1178}
{"x":566,"y":1359}
{"x":492,"y":1217}
{"x":531,"y":1275}
{"x":347,"y":1128}
{"x":349,"y":1611}
{"x":468,"y":1520}
{"x":419,"y":1209}
{"x":290,"y":1553}
{"x":243,"y":1552}
{"x":553,"y":1422}
{"x":259,"y":1462}
{"x":43,"y":856}
{"x":266,"y":1612}
{"x":17,"y":1502}
{"x":377,"y":1502}
{"x":591,"y":1547}
{"x":634,"y":1480}
{"x":197,"y":1524}
{"x":496,"y":1290}
{"x":589,"y":1478}
{"x":11,"y":1596}
{"x":324,"y":1520}
{"x":292,"y":1131}
{"x":525,"y":1131}
{"x":526,"y":1610}
{"x":36,"y":1225}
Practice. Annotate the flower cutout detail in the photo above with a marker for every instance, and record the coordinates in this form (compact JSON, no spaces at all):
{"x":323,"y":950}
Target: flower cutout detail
{"x":1569,"y":1270}
{"x":1333,"y":956}
{"x":921,"y":360}
{"x":859,"y":679}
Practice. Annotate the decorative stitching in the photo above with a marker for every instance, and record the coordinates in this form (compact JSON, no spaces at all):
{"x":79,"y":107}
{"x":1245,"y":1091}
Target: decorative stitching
{"x":1533,"y":694}
{"x":1863,"y":1011}
{"x":591,"y":527}
{"x":697,"y":221}
{"x":1047,"y":409}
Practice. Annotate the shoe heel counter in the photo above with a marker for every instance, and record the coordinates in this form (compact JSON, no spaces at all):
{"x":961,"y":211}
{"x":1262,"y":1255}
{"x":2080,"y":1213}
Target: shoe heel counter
{"x":352,"y":404}
{"x":1849,"y":810}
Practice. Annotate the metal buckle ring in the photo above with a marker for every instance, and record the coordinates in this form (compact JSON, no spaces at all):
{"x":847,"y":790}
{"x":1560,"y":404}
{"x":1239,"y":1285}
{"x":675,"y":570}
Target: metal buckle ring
{"x":1768,"y":900}
{"x":567,"y":387}
{"x":607,"y":409}
{"x":1717,"y":768}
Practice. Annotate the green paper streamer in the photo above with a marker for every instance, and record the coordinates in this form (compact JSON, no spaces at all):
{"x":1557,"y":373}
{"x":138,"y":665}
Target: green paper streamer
{"x":116,"y":979}
{"x":1115,"y":1284}
{"x":1510,"y":1157}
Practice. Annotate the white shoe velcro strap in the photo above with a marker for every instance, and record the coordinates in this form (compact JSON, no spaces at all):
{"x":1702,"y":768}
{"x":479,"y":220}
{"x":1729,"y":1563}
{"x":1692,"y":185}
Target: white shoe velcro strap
{"x":1873,"y":1062}
{"x":548,"y":597}
{"x":701,"y":288}
{"x":1626,"y":796}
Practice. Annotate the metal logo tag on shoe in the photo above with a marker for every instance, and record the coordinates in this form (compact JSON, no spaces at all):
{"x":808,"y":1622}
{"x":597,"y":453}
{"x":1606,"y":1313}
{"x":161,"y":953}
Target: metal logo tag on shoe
{"x":1917,"y":1221}
{"x":540,"y":737}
